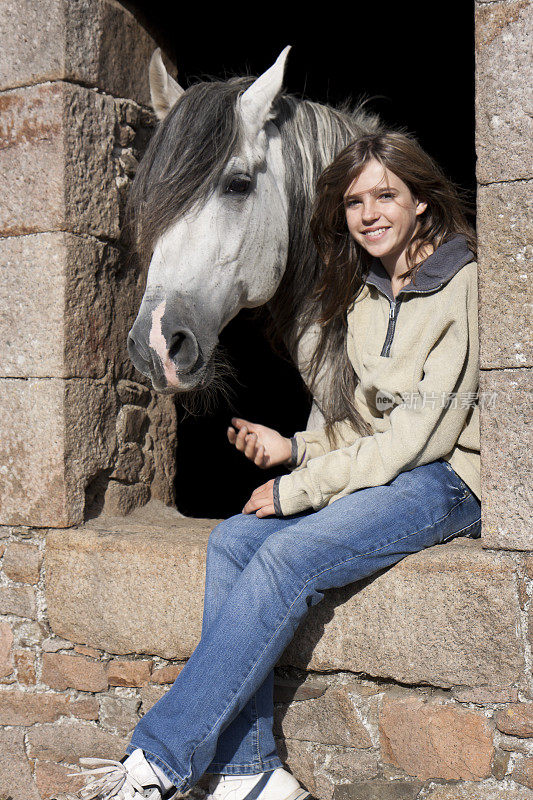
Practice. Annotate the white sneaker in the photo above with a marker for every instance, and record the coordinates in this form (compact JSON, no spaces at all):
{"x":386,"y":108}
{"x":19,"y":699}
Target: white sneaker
{"x":130,"y":779}
{"x":275,"y":785}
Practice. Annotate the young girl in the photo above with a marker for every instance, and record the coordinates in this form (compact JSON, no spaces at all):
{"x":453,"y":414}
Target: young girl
{"x":395,"y":470}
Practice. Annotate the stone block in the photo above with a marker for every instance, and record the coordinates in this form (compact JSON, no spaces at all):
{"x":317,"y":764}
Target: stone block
{"x":150,"y":695}
{"x":113,"y":569}
{"x":420,"y":621}
{"x":516,"y":720}
{"x":378,"y":789}
{"x":56,"y":159}
{"x":435,"y":740}
{"x":26,"y":708}
{"x":16,"y":780}
{"x":493,"y":790}
{"x":55,"y":779}
{"x":292,"y":691}
{"x":330,"y":719}
{"x":128,"y":673}
{"x":62,"y":672}
{"x":119,"y":714}
{"x":94,"y":42}
{"x":54,"y":436}
{"x":321,"y":768}
{"x":486,"y":695}
{"x":121,"y":498}
{"x":505,"y":253}
{"x":67,"y":306}
{"x":25,"y":665}
{"x":503,"y":93}
{"x":18,"y":600}
{"x":523,"y":772}
{"x":69,"y":741}
{"x":506,"y":468}
{"x":166,"y":674}
{"x":6,"y":642}
{"x":22,"y":562}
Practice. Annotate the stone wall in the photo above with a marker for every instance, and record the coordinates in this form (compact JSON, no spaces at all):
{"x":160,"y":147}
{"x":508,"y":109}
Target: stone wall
{"x":413,"y":685}
{"x":77,"y":428}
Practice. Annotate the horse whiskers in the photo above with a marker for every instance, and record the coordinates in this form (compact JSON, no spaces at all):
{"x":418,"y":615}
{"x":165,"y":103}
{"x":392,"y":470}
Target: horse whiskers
{"x":221,"y":374}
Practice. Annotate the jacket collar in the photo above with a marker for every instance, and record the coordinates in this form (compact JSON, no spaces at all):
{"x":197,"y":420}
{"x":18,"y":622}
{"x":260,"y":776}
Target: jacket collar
{"x":433,"y":273}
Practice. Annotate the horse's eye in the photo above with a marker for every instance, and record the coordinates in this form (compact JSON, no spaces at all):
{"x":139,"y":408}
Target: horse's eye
{"x":240,"y":184}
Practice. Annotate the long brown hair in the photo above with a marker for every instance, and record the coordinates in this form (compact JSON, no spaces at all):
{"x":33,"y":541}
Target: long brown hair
{"x":346,"y":263}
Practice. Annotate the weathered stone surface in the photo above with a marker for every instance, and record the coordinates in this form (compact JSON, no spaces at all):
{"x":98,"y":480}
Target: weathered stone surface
{"x":16,"y":781}
{"x":54,"y":435}
{"x":516,"y":720}
{"x":433,"y":740}
{"x":91,"y":41}
{"x":500,"y":764}
{"x":150,"y":695}
{"x":486,"y":695}
{"x":321,"y":768}
{"x":67,"y":306}
{"x":166,"y":674}
{"x":503,"y":92}
{"x":18,"y":600}
{"x":129,"y":463}
{"x":478,"y":791}
{"x":119,"y":714}
{"x":25,"y":666}
{"x":420,"y":621}
{"x":68,"y":741}
{"x":131,"y":393}
{"x":73,"y":672}
{"x":523,"y":772}
{"x":291,"y":691}
{"x":506,"y":468}
{"x":60,"y":138}
{"x":6,"y":641}
{"x":53,"y":644}
{"x":132,"y":424}
{"x":165,"y":563}
{"x":121,"y":498}
{"x":505,"y":254}
{"x":331,"y":719}
{"x":378,"y":790}
{"x":22,"y":562}
{"x":128,"y":673}
{"x":26,"y":708}
{"x":53,"y":779}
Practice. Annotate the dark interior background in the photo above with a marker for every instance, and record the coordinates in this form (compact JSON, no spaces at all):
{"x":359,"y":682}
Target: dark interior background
{"x":415,"y":61}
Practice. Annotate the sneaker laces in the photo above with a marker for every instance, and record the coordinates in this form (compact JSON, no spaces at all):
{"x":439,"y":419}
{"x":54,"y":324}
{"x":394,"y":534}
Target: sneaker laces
{"x":107,"y":779}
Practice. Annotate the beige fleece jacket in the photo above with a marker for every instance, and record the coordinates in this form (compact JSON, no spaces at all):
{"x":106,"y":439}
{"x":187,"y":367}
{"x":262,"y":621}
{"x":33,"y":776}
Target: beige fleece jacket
{"x":417,"y":359}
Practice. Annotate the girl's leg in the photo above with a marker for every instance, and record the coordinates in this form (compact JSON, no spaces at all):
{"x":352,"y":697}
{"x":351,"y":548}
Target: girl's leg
{"x":247,"y":743}
{"x":350,"y":539}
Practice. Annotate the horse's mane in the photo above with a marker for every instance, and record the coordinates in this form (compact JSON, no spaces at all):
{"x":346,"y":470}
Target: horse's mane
{"x":187,"y":155}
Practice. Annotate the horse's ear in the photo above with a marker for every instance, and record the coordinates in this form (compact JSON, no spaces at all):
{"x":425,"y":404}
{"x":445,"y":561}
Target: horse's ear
{"x":164,"y":90}
{"x":256,"y":102}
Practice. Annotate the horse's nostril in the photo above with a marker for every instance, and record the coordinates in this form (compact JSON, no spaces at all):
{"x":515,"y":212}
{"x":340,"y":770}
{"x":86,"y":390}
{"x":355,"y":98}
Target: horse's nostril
{"x":176,"y":344}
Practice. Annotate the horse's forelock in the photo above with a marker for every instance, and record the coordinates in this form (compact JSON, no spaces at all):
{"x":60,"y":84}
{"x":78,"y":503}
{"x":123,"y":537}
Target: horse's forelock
{"x":185,"y":158}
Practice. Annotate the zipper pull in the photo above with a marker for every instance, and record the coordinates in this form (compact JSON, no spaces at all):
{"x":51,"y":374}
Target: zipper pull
{"x":392,"y":307}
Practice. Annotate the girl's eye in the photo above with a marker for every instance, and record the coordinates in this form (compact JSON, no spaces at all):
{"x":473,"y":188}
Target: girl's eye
{"x":350,"y":203}
{"x":239,"y":184}
{"x":387,"y":195}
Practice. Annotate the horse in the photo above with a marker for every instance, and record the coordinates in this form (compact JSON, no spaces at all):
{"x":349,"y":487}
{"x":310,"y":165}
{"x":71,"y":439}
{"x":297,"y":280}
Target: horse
{"x":221,"y":204}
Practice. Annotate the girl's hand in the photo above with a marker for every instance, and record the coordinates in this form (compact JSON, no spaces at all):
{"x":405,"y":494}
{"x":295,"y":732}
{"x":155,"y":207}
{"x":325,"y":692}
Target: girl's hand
{"x":261,"y":501}
{"x":264,"y":446}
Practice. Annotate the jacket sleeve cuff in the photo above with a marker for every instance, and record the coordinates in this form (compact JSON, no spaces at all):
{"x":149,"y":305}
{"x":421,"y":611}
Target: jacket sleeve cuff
{"x":298,"y":449}
{"x":289,"y":499}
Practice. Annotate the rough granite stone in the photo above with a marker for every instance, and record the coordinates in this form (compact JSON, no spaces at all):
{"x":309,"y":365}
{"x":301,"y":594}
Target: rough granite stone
{"x":493,"y":790}
{"x":119,"y":714}
{"x":516,"y":720}
{"x":22,"y":562}
{"x":504,"y":211}
{"x":503,"y":91}
{"x":62,"y":672}
{"x":420,"y":621}
{"x":55,"y":779}
{"x":165,"y":564}
{"x":18,"y":600}
{"x":378,"y":790}
{"x":506,"y":467}
{"x":93,"y":42}
{"x":26,"y":708}
{"x":16,"y":780}
{"x":6,"y":642}
{"x":67,"y":306}
{"x":54,"y":436}
{"x":435,"y":740}
{"x":60,"y":138}
{"x":68,"y":741}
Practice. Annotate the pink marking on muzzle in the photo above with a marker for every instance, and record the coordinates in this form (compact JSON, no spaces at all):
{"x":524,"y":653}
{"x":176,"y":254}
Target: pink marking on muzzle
{"x":158,"y":343}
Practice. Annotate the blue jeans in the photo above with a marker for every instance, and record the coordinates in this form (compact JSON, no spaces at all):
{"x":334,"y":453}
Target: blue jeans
{"x":262,"y":575}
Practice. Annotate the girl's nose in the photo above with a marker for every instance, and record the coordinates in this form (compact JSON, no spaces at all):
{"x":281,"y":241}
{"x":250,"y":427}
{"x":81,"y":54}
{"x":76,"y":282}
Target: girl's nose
{"x":370,"y":211}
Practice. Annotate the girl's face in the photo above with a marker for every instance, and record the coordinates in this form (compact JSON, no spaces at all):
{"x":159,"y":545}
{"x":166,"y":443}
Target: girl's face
{"x":381,"y":213}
